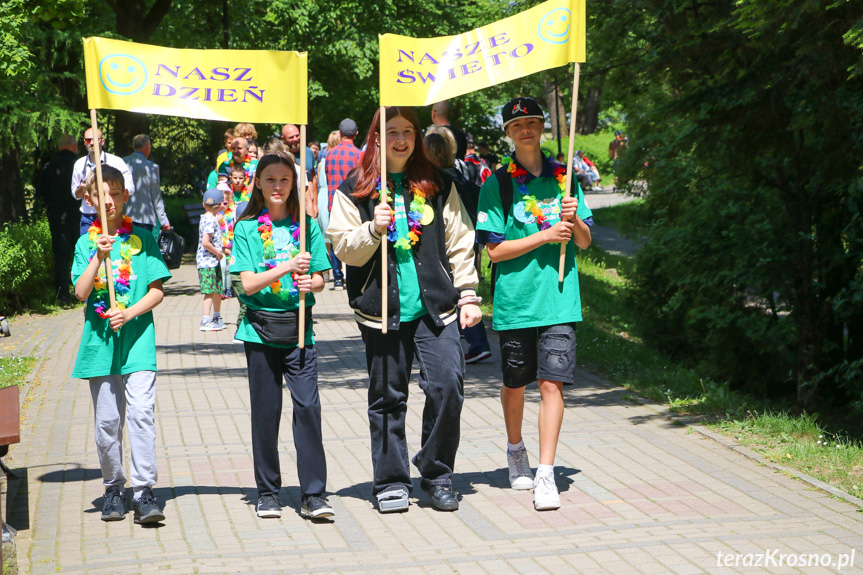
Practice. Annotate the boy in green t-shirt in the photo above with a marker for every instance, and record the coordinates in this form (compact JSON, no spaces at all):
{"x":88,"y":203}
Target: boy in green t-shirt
{"x":534,"y":314}
{"x":117,"y":353}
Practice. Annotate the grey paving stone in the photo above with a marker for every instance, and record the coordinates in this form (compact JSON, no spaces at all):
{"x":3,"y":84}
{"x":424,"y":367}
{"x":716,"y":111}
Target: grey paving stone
{"x":639,"y":494}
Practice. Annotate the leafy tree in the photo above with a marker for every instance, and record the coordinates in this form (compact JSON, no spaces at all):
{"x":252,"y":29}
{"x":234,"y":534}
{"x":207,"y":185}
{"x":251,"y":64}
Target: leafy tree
{"x":748,"y":116}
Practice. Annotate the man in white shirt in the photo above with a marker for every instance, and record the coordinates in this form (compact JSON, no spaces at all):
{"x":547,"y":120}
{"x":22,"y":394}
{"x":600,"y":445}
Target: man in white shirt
{"x":87,"y":164}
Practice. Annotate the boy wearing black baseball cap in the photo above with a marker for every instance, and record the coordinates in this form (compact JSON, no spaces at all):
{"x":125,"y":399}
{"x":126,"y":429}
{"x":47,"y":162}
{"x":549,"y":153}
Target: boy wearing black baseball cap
{"x":523,"y":216}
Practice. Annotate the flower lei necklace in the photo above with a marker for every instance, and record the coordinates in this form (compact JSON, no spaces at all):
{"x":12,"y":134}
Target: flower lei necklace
{"x":226,"y":223}
{"x":415,"y":221}
{"x":122,"y":286}
{"x":265,"y":227}
{"x":531,"y":205}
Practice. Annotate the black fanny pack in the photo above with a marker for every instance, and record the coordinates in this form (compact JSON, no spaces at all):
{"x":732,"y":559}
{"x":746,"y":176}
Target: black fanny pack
{"x":279,"y":327}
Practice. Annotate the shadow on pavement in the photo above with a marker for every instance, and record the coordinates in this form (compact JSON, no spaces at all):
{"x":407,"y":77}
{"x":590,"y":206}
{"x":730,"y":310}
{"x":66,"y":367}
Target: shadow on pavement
{"x":76,"y":473}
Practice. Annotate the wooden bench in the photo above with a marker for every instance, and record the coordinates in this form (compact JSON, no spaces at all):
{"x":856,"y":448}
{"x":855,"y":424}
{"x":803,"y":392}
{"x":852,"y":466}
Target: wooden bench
{"x":193,"y":213}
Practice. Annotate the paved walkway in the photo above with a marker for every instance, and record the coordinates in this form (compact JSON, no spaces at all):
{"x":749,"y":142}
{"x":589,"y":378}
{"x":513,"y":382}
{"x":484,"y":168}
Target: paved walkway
{"x":640,"y":493}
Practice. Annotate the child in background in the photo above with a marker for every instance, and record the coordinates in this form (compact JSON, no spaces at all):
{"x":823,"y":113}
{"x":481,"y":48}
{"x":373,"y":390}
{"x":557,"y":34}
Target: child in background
{"x":208,"y":256}
{"x":118,"y":346}
{"x":274,"y":272}
{"x":238,"y":184}
{"x":237,"y":284}
{"x":227,"y":217}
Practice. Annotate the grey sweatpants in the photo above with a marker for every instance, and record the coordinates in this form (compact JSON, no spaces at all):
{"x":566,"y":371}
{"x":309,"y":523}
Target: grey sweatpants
{"x":116,"y":398}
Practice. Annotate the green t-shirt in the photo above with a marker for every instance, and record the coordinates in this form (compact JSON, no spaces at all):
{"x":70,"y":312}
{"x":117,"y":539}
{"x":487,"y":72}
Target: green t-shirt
{"x":248,"y":253}
{"x":527,"y":292}
{"x":102,"y":350}
{"x":411,"y":304}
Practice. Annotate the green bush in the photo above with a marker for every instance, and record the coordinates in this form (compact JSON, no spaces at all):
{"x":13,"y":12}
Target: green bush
{"x":26,"y":266}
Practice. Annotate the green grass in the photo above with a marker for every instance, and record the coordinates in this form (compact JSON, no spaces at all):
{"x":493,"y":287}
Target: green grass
{"x":595,"y":147}
{"x":802,"y":443}
{"x":630,"y":219}
{"x":14,"y":369}
{"x":608,"y":344}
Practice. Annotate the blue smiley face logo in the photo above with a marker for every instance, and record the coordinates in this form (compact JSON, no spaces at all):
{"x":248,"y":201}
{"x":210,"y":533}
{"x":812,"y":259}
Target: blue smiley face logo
{"x":123,"y":74}
{"x":554,"y":26}
{"x":281,"y":238}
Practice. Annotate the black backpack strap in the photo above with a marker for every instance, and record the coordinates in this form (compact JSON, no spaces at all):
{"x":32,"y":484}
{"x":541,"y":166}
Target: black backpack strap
{"x":504,"y":183}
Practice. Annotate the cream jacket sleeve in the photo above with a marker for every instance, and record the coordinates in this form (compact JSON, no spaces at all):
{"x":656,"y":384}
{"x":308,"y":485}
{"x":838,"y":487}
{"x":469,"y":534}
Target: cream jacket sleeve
{"x":459,"y":240}
{"x":354,"y":241}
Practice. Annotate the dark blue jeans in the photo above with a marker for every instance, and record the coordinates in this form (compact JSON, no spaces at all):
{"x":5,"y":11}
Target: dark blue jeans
{"x":299,"y":367}
{"x":441,"y":377}
{"x":337,"y":266}
{"x":476,"y":338}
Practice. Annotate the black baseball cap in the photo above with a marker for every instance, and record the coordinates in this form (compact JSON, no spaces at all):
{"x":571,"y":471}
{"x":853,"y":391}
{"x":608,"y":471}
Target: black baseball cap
{"x":348,"y":127}
{"x":521,"y":108}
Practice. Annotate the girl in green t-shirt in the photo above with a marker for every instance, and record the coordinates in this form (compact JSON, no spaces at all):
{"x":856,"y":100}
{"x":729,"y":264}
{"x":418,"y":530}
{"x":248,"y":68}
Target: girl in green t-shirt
{"x":429,"y":257}
{"x":274,"y":272}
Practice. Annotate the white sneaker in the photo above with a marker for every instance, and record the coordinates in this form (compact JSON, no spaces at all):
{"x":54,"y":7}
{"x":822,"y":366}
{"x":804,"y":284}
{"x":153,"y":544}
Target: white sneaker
{"x":545,"y":495}
{"x":520,"y":476}
{"x":210,"y":326}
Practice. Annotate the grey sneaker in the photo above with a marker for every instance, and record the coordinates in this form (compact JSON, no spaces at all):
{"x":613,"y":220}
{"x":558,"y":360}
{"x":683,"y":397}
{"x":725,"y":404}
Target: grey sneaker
{"x":209,"y":326}
{"x":219,"y":323}
{"x":147,"y":508}
{"x":316,"y":507}
{"x":269,"y":506}
{"x":114,"y":508}
{"x":393,"y":500}
{"x":520,"y":476}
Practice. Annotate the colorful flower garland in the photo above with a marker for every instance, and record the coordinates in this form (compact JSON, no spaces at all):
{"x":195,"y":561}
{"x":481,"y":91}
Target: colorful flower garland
{"x":122,"y":285}
{"x":531,"y":205}
{"x":415,"y":221}
{"x":265,"y":228}
{"x":226,"y":223}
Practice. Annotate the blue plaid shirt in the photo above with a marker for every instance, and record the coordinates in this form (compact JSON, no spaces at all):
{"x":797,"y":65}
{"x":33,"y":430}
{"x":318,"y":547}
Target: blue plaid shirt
{"x":340,"y":160}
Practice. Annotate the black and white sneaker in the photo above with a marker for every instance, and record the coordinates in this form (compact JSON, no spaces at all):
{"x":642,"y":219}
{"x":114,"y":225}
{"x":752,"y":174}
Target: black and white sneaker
{"x":269,"y":506}
{"x":114,"y":508}
{"x":147,"y":508}
{"x":316,"y":507}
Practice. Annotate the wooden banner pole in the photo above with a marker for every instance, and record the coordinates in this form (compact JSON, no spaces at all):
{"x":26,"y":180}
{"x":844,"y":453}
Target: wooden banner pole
{"x":97,"y":154}
{"x":301,"y":197}
{"x":569,"y":182}
{"x":382,"y":140}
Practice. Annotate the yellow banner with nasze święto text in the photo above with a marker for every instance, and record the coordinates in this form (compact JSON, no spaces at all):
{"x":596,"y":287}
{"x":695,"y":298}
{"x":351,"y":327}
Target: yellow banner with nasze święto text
{"x":234,"y":85}
{"x":422,"y":71}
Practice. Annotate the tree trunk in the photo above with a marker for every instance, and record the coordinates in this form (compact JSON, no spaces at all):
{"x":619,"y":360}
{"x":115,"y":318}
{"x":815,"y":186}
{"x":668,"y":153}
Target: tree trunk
{"x":589,"y":112}
{"x":137,"y":22}
{"x":13,"y":207}
{"x":556,"y":110}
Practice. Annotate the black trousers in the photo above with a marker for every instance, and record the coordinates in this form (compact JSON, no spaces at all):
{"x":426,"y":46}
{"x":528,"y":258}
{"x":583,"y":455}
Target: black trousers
{"x":64,"y":234}
{"x":441,"y":365}
{"x":299,"y":367}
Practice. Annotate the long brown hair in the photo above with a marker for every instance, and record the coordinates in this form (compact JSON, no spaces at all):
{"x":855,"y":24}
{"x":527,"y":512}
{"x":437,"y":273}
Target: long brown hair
{"x":256,"y":201}
{"x":419,"y":172}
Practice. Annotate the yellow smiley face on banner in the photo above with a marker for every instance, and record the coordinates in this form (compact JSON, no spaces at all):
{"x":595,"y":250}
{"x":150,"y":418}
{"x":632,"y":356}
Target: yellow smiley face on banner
{"x":428,"y":215}
{"x":135,"y":244}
